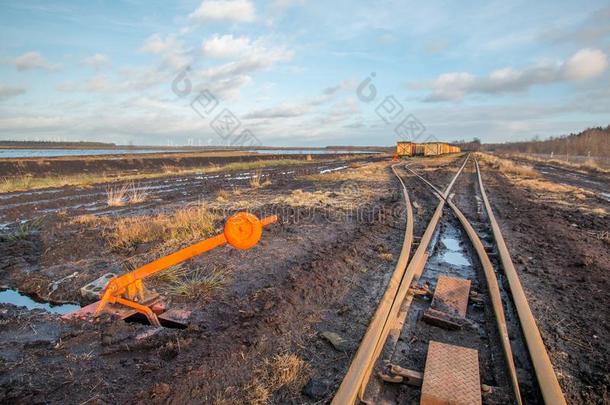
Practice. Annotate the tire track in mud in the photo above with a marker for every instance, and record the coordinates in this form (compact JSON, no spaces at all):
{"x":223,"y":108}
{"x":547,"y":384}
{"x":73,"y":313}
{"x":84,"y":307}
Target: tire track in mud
{"x":300,"y":281}
{"x":27,"y":205}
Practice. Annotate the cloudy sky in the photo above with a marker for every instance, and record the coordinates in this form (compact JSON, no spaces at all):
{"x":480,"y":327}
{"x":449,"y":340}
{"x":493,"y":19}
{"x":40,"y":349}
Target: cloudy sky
{"x":299,"y":72}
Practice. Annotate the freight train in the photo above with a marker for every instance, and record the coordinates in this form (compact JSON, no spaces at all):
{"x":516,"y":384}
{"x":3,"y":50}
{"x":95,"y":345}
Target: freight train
{"x":425,"y":149}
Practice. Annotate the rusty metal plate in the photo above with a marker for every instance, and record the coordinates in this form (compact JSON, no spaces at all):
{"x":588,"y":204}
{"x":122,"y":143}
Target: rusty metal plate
{"x":451,"y":376}
{"x":451,"y":295}
{"x":115,"y":309}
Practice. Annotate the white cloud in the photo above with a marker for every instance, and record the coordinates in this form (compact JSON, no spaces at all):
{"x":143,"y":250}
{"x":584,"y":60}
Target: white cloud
{"x":288,"y":3}
{"x":10,"y":91}
{"x":33,"y":60}
{"x":171,"y":49}
{"x":290,"y":110}
{"x":96,"y":61}
{"x":228,"y":10}
{"x":583,"y":65}
{"x":226,"y":46}
{"x":250,"y":56}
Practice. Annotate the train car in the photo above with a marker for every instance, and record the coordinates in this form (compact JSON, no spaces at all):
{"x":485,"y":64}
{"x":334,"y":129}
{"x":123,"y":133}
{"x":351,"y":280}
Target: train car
{"x":425,"y":149}
{"x":405,"y":148}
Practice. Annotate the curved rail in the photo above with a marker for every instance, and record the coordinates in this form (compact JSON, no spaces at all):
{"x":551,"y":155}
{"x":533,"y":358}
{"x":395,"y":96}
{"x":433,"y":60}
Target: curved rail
{"x":492,"y":286}
{"x":356,"y":379}
{"x":359,"y":366}
{"x":547,"y":380}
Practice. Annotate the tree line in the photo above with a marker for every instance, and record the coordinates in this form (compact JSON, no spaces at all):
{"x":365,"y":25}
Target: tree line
{"x":590,"y":142}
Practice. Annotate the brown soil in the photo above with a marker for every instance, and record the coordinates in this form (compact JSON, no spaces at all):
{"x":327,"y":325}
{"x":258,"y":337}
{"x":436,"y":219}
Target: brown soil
{"x":135,"y":163}
{"x":561,"y":248}
{"x":322,"y":268}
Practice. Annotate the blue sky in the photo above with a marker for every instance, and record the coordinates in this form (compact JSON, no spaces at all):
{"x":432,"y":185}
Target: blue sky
{"x":289,"y":71}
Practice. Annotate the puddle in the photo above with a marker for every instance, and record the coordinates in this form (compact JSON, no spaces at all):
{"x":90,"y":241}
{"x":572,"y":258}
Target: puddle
{"x":21,"y":300}
{"x":454,"y":254}
{"x":455,"y":258}
{"x":332,"y":170}
{"x":448,"y":255}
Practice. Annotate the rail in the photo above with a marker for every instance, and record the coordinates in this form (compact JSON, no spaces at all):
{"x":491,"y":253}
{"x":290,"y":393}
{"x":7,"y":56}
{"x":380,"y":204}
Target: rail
{"x":547,"y":380}
{"x":356,"y":379}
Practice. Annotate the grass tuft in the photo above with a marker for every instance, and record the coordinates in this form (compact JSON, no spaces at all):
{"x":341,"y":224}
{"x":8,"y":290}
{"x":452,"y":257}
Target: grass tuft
{"x":24,"y":230}
{"x":257,"y":182}
{"x":117,"y":197}
{"x":198,"y":284}
{"x":184,"y":225}
{"x":137,"y":195}
{"x":281,"y":371}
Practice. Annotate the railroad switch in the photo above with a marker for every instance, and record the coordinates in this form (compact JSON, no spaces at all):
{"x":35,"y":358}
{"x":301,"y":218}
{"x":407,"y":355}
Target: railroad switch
{"x":126,"y":295}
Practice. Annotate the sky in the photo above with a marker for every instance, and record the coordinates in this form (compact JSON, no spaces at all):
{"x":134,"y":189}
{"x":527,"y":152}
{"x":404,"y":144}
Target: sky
{"x":301,"y":73}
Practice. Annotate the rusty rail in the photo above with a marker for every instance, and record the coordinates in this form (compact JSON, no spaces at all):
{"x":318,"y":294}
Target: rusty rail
{"x":547,"y":380}
{"x":355,"y":381}
{"x":492,"y":286}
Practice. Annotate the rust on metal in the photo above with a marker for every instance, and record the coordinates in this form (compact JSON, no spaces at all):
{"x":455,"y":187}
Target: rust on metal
{"x":359,"y":370}
{"x":547,"y":380}
{"x":451,"y":294}
{"x":451,"y":376}
{"x":355,"y":381}
{"x":492,"y":287}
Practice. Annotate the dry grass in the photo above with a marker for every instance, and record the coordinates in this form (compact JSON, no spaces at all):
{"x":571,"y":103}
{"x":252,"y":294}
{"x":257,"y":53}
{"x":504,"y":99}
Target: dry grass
{"x":90,"y":219}
{"x":388,"y":257}
{"x":117,"y":197}
{"x":369,"y":172}
{"x":507,"y":166}
{"x":257,"y":182}
{"x":137,"y":195}
{"x":28,"y":182}
{"x":198,"y":284}
{"x":125,"y":194}
{"x":588,"y":165}
{"x":222,"y":196}
{"x":281,"y":371}
{"x":184,"y":225}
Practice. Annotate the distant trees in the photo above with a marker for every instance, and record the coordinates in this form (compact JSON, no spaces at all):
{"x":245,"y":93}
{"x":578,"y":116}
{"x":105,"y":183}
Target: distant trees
{"x":590,"y":142}
{"x":474,"y":145}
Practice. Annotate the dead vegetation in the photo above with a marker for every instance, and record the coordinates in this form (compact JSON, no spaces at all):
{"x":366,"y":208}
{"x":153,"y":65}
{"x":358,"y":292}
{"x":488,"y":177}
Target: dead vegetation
{"x":184,"y":225}
{"x":257,"y":182}
{"x":222,"y":196}
{"x":125,"y":194}
{"x":286,"y":371}
{"x":589,"y":164}
{"x":28,"y":182}
{"x":507,"y":166}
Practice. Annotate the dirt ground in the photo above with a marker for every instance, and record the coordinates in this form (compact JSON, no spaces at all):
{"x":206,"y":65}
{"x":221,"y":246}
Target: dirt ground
{"x":259,"y":336}
{"x":558,"y":236}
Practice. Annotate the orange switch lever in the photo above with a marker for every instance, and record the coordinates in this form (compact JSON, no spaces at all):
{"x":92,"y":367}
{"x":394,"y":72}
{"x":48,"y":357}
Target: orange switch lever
{"x":242,"y":231}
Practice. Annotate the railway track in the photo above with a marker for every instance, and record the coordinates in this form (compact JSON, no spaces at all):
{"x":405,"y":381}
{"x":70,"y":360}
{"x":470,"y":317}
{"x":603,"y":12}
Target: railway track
{"x":475,"y":325}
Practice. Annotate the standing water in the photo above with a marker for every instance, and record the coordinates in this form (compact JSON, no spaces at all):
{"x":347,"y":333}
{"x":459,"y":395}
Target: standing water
{"x":16,"y":298}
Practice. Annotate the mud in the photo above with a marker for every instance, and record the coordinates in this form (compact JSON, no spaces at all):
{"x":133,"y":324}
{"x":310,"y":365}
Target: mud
{"x":134,"y":163}
{"x":310,"y":274}
{"x":322,"y":268}
{"x":562,"y":254}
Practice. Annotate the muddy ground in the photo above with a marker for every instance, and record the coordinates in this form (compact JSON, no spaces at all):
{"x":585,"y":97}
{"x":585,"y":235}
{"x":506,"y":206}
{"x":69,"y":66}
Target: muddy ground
{"x":259,"y":337}
{"x":135,"y":163}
